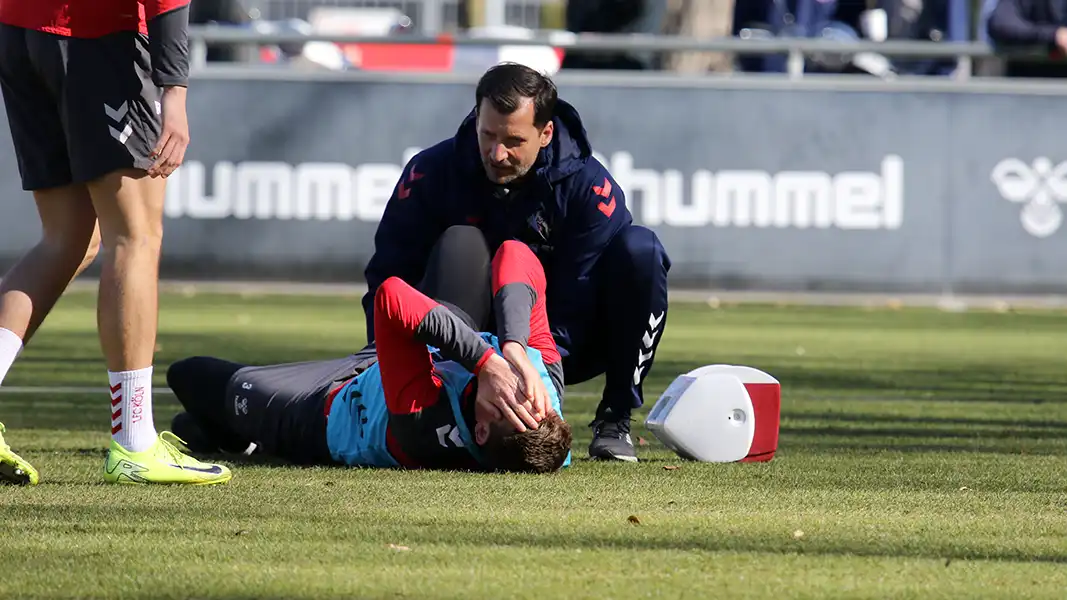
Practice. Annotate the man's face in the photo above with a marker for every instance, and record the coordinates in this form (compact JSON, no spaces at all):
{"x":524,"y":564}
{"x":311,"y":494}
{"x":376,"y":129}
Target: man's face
{"x":509,"y":143}
{"x":485,"y":420}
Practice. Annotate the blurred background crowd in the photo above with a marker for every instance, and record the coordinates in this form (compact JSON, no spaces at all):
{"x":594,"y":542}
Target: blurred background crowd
{"x":1005,"y":24}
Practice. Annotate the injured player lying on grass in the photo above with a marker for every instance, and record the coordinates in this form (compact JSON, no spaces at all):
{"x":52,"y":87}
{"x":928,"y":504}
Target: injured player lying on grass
{"x":393,"y":404}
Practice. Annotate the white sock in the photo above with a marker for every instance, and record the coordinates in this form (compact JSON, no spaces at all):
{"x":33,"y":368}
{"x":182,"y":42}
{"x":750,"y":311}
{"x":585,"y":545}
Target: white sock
{"x":10,"y":347}
{"x":131,"y":409}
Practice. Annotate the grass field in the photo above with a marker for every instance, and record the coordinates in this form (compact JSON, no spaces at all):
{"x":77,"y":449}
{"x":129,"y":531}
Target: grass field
{"x":922,"y":456}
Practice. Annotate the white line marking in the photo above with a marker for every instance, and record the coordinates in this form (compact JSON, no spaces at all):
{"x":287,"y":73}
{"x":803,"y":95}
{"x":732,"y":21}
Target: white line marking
{"x":59,"y":390}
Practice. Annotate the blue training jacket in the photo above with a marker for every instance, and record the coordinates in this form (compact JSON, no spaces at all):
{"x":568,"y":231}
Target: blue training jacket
{"x":567,"y":214}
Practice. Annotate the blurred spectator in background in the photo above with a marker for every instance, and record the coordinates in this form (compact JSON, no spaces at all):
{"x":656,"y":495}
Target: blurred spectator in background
{"x":614,"y":17}
{"x":1031,"y":23}
{"x":853,"y":20}
{"x":763,"y":19}
{"x":927,"y":20}
{"x":701,"y":19}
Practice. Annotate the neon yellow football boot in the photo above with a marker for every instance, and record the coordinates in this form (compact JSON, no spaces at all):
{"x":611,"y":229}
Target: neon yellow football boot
{"x":13,"y":469}
{"x":162,"y":463}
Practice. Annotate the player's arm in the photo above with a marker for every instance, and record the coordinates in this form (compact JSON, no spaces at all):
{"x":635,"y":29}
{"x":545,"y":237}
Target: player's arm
{"x":168,"y":41}
{"x":408,"y":320}
{"x":596,"y":213}
{"x":404,"y":313}
{"x":168,"y":45}
{"x":405,"y":236}
{"x":519,"y":305}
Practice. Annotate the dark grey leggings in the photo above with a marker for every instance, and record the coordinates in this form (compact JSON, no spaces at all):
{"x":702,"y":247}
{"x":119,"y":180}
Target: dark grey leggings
{"x":459,"y":275}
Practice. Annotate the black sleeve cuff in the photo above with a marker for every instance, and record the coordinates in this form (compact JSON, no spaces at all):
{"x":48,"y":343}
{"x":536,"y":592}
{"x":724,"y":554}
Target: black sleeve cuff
{"x":168,"y":42}
{"x":512,"y":306}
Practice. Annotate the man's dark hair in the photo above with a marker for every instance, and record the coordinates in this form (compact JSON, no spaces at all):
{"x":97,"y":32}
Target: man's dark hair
{"x":508,"y":84}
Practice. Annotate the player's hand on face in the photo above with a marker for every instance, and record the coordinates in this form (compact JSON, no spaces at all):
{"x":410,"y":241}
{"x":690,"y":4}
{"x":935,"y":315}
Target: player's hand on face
{"x":170,"y":150}
{"x":533,"y":386}
{"x":500,"y":394}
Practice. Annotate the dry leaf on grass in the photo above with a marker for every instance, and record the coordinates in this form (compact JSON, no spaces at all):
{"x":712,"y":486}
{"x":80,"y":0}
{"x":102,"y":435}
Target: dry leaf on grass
{"x":633,"y":520}
{"x":798,"y":534}
{"x":398,"y":548}
{"x":671,"y":467}
{"x":241,"y":532}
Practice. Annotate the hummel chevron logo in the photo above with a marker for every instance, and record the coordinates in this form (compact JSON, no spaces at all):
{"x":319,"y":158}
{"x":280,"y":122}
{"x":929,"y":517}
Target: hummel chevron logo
{"x":123,"y":135}
{"x":604,"y":191}
{"x":118,"y":115}
{"x":454,"y":436}
{"x":402,"y":191}
{"x":654,"y":321}
{"x":649,"y":341}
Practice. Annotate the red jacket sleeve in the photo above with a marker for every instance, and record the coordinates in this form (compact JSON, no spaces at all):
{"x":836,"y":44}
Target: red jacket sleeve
{"x":154,"y":8}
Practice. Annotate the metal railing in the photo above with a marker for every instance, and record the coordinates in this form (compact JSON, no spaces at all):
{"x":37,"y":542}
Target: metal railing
{"x":797,"y":49}
{"x":430,"y":16}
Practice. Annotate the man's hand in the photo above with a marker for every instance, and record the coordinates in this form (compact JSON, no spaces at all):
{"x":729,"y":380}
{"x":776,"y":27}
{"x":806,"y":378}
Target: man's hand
{"x":170,"y":151}
{"x":499,"y":394}
{"x":533,"y":387}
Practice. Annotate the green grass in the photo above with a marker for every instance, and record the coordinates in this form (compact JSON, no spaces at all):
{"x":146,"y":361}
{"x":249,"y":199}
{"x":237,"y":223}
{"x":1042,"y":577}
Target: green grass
{"x":922,"y":456}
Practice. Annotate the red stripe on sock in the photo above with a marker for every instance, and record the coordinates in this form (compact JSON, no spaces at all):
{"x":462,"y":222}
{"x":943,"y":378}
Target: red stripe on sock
{"x":116,"y":388}
{"x":116,"y":414}
{"x":116,"y":401}
{"x":116,"y":428}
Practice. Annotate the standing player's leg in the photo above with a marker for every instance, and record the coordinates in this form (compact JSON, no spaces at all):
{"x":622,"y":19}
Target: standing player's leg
{"x":112,"y":121}
{"x":69,"y":243}
{"x":31,"y":288}
{"x":129,"y":205}
{"x":69,"y":238}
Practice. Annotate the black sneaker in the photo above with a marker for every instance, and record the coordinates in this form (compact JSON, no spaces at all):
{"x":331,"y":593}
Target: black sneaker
{"x":611,"y":440}
{"x":196,"y":440}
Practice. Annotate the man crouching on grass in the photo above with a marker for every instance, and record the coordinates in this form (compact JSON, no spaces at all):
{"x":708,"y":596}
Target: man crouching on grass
{"x":394,"y":405}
